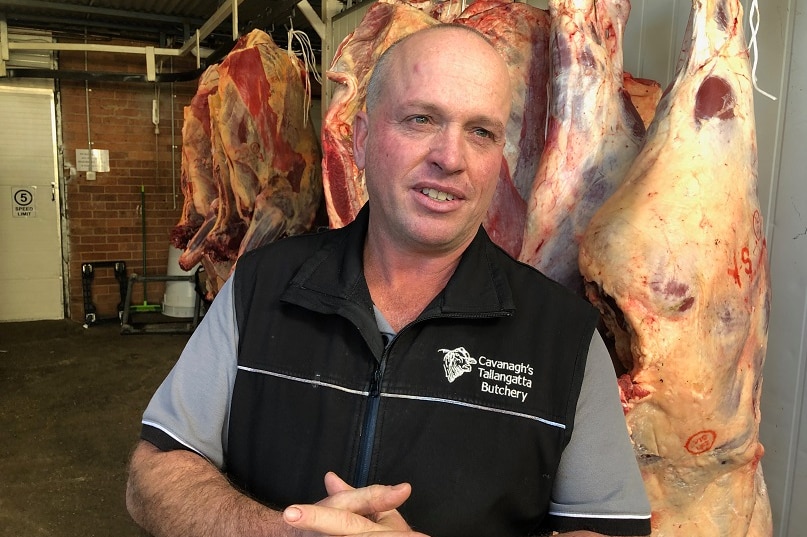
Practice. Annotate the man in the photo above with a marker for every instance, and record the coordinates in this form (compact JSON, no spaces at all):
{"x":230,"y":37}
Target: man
{"x":404,"y":348}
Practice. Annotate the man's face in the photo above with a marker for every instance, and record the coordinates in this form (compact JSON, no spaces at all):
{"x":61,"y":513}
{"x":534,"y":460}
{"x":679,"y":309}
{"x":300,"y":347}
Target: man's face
{"x":432,"y":145}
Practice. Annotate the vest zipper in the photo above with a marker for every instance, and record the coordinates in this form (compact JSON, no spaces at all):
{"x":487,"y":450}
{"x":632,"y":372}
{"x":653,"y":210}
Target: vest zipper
{"x":371,"y":417}
{"x":370,"y":420}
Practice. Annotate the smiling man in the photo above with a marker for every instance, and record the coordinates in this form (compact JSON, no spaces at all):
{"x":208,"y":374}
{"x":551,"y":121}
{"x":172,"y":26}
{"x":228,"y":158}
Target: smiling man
{"x":403,"y":373}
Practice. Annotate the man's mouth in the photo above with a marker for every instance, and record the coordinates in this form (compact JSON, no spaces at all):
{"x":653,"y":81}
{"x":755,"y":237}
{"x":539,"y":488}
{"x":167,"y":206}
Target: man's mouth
{"x":437,"y":194}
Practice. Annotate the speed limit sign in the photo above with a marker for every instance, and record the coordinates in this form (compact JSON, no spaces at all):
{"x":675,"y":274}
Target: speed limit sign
{"x":23,"y":201}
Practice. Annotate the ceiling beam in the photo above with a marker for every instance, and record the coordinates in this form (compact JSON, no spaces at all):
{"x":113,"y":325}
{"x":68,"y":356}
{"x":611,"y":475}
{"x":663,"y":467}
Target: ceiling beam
{"x":133,"y":28}
{"x":313,"y":18}
{"x":89,"y":10}
{"x":225,"y":10}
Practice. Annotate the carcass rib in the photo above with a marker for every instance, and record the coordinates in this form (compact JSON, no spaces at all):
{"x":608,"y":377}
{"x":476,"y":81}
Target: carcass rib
{"x":222,"y":241}
{"x":593,"y":136}
{"x":222,"y":229}
{"x":676,"y":260}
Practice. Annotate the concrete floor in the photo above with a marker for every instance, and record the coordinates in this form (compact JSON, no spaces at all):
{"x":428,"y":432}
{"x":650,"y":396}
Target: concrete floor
{"x":70,"y":405}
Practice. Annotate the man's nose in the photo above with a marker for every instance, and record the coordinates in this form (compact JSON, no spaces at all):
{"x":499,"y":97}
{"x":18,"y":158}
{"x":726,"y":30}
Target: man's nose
{"x":447,"y":150}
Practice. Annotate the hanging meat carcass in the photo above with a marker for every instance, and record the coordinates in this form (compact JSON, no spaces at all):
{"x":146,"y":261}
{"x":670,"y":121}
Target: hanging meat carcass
{"x":676,"y":260}
{"x":264,"y":155}
{"x":517,"y":30}
{"x":270,"y":146}
{"x":520,"y":33}
{"x":593,"y":136}
{"x":196,"y":179}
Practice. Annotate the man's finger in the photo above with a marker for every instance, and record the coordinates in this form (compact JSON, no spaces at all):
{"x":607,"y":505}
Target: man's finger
{"x":334,"y":484}
{"x":327,"y":520}
{"x":366,"y":500}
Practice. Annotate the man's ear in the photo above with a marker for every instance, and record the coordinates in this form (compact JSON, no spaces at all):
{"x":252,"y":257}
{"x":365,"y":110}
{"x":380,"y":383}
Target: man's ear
{"x":360,"y":131}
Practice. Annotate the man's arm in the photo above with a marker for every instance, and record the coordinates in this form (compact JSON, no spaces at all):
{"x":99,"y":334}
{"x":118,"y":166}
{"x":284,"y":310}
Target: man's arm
{"x":582,"y":534}
{"x":178,"y":493}
{"x":607,"y":493}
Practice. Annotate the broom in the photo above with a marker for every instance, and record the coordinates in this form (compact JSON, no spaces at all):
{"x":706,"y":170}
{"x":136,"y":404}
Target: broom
{"x":145,"y":306}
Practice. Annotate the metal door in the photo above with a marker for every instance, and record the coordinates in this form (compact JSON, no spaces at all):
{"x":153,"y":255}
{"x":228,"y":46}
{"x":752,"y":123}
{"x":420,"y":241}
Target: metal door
{"x":30,"y":230}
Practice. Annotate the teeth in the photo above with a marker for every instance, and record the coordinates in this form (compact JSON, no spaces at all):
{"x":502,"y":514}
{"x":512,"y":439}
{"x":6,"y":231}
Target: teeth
{"x":437,"y":195}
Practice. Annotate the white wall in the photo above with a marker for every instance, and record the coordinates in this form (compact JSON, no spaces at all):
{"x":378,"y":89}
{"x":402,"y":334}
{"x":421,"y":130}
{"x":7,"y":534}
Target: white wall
{"x":782,"y":131}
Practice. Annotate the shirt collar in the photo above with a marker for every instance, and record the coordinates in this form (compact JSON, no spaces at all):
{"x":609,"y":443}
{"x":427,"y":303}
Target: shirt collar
{"x":478,"y":286}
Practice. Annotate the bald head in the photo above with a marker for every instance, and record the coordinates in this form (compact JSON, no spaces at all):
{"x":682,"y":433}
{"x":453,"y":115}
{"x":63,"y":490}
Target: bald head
{"x":431,"y":139}
{"x":434,"y":40}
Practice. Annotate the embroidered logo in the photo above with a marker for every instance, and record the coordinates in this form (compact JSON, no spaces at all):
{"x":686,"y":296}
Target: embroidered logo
{"x":497,"y":377}
{"x":456,"y":362}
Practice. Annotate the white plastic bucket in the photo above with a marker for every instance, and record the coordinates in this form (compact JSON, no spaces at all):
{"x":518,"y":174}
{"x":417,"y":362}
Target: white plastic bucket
{"x":179,"y":297}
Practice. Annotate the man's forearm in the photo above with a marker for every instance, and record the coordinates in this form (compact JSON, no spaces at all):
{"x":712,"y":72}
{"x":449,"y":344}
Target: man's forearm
{"x":581,"y":533}
{"x":180,"y":494}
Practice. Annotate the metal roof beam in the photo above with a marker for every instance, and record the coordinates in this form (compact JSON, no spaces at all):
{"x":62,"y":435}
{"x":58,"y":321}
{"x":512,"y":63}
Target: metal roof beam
{"x":94,"y":47}
{"x":36,"y":21}
{"x":311,"y":15}
{"x":89,"y":10}
{"x":225,"y":10}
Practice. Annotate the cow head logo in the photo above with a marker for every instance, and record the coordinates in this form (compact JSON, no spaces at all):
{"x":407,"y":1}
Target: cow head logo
{"x":456,"y":362}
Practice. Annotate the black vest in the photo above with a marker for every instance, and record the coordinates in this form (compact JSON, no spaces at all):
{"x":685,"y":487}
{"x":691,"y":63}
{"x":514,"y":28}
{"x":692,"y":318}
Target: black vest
{"x":472,"y":403}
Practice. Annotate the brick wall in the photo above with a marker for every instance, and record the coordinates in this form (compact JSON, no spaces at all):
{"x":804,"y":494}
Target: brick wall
{"x":104,"y":218}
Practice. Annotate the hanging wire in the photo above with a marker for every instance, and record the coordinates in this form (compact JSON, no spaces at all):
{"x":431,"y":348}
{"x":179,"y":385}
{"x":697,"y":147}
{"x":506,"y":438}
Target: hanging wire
{"x":753,"y":20}
{"x":308,"y":59}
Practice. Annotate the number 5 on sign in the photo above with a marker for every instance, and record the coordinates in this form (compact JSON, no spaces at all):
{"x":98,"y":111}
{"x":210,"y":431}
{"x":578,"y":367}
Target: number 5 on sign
{"x":23,"y":201}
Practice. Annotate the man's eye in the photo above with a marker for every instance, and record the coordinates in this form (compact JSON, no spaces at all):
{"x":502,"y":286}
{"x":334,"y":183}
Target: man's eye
{"x":483,"y":133}
{"x":419,"y":120}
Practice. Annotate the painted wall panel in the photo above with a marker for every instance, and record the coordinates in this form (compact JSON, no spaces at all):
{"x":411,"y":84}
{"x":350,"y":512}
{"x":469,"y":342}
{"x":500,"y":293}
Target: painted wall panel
{"x":782,"y":128}
{"x":653,"y":38}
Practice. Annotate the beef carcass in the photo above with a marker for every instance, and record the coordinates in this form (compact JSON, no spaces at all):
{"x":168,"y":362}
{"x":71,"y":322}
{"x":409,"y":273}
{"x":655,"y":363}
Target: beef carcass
{"x":676,"y":260}
{"x":222,"y":229}
{"x":385,"y":22}
{"x":593,"y":136}
{"x":270,"y":146}
{"x":264,"y":158}
{"x":196,"y":177}
{"x":222,"y":242}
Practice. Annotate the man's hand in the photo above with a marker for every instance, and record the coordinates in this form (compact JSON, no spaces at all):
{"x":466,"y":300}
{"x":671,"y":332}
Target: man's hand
{"x":349,"y":511}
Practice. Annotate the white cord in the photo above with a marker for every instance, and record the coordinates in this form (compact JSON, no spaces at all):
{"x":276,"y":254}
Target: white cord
{"x":753,"y":20}
{"x":309,"y":60}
